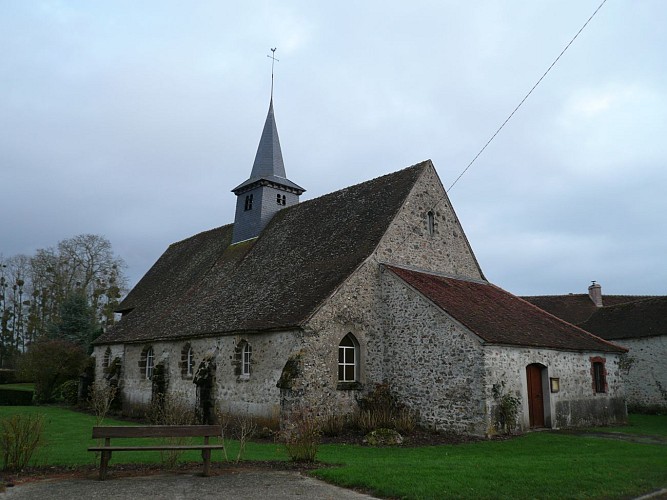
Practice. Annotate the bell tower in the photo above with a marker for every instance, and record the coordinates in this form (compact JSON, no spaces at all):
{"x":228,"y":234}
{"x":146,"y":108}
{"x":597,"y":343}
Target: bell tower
{"x":268,"y":189}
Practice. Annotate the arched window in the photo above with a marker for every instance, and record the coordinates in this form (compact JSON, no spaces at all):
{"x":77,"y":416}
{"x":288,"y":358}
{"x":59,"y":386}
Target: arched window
{"x":431,"y":222}
{"x":245,"y":364}
{"x":348,"y":359}
{"x":187,"y":361}
{"x":150,"y":363}
{"x":107,"y":358}
{"x":190,"y":363}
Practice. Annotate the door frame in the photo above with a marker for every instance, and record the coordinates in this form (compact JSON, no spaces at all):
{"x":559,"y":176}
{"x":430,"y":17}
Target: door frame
{"x":537,"y":390}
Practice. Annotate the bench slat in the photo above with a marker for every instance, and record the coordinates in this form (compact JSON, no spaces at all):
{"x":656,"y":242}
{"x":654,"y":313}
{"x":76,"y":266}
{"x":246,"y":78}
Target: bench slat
{"x":158,"y":447}
{"x":135,"y":431}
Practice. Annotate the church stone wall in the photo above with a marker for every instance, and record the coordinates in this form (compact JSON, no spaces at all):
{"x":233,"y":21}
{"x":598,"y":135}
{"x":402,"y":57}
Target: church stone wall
{"x":575,"y":404}
{"x":645,"y":370}
{"x":354,"y":308}
{"x":409,"y":242}
{"x":357,"y":307}
{"x":432,"y":363}
{"x":256,"y":395}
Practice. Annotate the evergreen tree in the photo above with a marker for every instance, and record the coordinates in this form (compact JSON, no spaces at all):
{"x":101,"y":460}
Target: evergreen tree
{"x":76,"y":321}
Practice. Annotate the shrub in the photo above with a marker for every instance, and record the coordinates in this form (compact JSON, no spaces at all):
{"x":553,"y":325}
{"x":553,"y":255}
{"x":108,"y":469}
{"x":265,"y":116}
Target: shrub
{"x":20,"y":436}
{"x":69,"y":391}
{"x":507,"y":409}
{"x":380,"y":409}
{"x":50,"y":363}
{"x":7,"y":376}
{"x":405,"y":421}
{"x":13,"y":397}
{"x":101,"y":399}
{"x":245,"y":429}
{"x":333,"y":425}
{"x":302,"y":439}
{"x":172,"y":409}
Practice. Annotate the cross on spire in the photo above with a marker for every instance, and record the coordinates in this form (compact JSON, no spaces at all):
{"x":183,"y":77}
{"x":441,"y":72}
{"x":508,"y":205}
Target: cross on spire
{"x":273,"y":61}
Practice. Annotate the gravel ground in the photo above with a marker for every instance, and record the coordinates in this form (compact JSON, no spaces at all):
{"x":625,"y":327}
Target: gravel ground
{"x":242,"y":483}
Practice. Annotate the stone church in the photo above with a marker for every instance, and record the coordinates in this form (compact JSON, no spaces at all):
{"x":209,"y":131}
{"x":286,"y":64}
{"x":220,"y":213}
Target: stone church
{"x":307,"y":306}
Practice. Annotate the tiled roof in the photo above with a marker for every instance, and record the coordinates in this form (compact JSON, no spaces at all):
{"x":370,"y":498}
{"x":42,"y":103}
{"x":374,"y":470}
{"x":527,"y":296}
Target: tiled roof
{"x":204,"y":286}
{"x":643,"y":318}
{"x":498,"y":317}
{"x":576,"y":308}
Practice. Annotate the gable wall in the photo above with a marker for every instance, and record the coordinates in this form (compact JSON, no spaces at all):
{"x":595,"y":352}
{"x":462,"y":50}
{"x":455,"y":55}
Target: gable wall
{"x":432,"y":362}
{"x":357,"y":307}
{"x":576,"y":404}
{"x":645,"y":370}
{"x":408,"y":242}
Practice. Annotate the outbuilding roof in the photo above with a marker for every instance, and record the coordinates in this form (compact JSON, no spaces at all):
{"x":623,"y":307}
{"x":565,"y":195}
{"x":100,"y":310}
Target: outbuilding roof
{"x":576,"y":308}
{"x":643,"y":318}
{"x":205,"y":286}
{"x":498,"y":317}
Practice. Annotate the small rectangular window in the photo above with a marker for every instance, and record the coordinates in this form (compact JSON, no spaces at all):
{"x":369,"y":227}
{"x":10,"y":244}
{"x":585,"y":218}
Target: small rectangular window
{"x":599,"y":381}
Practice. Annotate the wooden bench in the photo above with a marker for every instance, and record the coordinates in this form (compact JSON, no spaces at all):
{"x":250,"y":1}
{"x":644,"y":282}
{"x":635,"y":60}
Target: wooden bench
{"x":155,"y":431}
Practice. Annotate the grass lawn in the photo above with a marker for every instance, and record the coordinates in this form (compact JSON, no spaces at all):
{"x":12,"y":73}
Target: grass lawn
{"x":68,"y":433}
{"x":28,"y":386}
{"x":536,"y":465}
{"x":648,"y":425}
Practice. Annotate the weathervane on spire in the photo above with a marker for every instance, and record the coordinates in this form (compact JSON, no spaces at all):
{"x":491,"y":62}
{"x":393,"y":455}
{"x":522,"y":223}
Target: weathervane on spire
{"x":273,"y":61}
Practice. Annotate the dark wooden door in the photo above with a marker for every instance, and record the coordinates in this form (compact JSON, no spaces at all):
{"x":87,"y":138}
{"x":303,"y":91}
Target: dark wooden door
{"x":535,"y":395}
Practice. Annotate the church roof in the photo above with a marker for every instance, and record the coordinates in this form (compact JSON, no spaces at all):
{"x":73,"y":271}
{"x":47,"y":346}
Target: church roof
{"x":205,"y":286}
{"x":498,"y":317}
{"x":642,"y":318}
{"x":577,"y":308}
{"x":269,"y":163}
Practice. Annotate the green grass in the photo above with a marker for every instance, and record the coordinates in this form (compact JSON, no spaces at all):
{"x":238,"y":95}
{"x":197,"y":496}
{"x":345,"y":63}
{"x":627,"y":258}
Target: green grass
{"x":19,"y":387}
{"x":648,"y":425}
{"x":67,"y":437}
{"x":536,"y":465}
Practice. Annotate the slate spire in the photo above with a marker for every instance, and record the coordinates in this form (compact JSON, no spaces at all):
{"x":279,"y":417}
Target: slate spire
{"x":269,"y":157}
{"x":267,"y":190}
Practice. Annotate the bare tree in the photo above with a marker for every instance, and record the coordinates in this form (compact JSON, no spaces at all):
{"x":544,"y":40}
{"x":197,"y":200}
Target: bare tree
{"x":34,"y":289}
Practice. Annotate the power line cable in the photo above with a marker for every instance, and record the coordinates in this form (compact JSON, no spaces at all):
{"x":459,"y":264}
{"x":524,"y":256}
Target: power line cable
{"x":526,"y":96}
{"x":443,"y":198}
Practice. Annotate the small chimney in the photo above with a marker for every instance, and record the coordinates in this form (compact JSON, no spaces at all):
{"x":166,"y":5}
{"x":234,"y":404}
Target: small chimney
{"x":595,"y":293}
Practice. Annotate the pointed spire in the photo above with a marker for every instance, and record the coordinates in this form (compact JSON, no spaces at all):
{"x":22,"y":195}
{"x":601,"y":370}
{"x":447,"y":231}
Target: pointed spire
{"x":269,"y":157}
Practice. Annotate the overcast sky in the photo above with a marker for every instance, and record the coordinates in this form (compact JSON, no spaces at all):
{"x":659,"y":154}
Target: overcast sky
{"x":133,"y":120}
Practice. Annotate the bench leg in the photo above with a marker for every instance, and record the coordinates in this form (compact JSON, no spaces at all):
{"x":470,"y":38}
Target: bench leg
{"x":106,"y":456}
{"x":206,"y":455}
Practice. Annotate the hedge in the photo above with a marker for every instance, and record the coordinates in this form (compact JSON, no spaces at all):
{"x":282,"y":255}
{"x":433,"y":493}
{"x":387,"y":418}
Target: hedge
{"x":12,"y":397}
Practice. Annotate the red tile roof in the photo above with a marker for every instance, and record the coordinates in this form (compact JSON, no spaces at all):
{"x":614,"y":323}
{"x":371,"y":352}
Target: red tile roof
{"x":498,"y":317}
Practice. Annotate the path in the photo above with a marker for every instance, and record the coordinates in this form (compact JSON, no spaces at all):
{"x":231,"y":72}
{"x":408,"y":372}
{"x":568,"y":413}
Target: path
{"x":237,"y":484}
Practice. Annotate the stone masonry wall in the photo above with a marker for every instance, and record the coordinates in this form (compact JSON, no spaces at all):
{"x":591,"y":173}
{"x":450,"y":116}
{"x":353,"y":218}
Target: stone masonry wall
{"x":357,"y":306}
{"x":576,"y":404}
{"x":645,"y":369}
{"x":256,"y":395}
{"x":408,"y":242}
{"x":433,"y":363}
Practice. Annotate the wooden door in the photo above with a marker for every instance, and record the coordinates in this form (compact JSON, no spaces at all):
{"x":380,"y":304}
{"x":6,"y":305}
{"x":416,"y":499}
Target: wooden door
{"x":535,"y":395}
